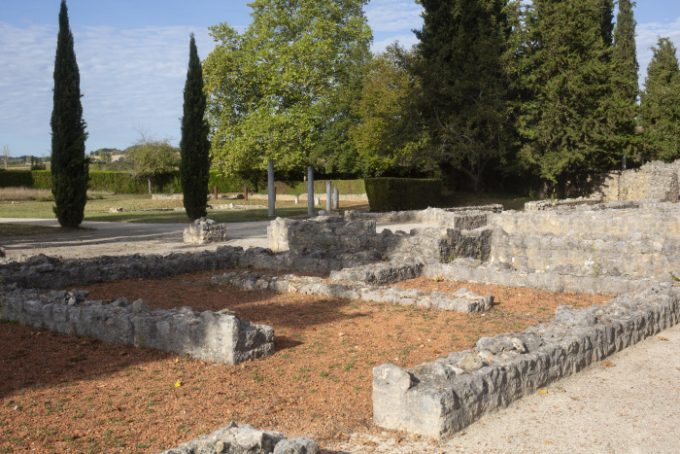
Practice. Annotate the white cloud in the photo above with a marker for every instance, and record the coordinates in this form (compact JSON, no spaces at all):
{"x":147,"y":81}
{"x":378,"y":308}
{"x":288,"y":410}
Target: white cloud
{"x":647,"y":36}
{"x":131,"y":80}
{"x":387,"y":16}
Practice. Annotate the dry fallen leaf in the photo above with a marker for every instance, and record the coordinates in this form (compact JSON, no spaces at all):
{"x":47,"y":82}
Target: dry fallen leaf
{"x":661,"y":338}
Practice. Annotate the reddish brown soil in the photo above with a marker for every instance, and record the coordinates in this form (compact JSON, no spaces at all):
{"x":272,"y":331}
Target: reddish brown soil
{"x":65,"y":394}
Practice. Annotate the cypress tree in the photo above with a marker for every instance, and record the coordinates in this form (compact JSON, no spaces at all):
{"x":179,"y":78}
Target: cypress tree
{"x":194,"y":146}
{"x":625,"y":89}
{"x":660,"y":104}
{"x":465,"y":86}
{"x":607,"y":11}
{"x":69,"y":165}
{"x":564,"y":126}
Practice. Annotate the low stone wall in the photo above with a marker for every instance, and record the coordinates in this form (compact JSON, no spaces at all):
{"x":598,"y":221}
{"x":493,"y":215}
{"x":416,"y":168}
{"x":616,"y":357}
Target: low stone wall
{"x":637,"y":242}
{"x":211,"y":336}
{"x":464,"y":218}
{"x":52,"y":273}
{"x":498,"y":274}
{"x":637,"y":257}
{"x":462,"y":301}
{"x":245,"y":439}
{"x":659,"y":220}
{"x":656,"y":181}
{"x":440,"y":398}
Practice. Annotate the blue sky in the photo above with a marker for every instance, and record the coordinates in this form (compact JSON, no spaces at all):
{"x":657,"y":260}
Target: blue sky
{"x":133,"y":55}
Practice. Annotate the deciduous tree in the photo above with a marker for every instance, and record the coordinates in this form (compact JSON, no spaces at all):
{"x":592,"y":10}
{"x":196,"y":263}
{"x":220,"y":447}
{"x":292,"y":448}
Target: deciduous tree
{"x":283,"y":88}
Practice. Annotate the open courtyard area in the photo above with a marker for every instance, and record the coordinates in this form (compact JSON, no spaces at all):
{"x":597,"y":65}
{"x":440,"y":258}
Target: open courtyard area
{"x":331,"y":315}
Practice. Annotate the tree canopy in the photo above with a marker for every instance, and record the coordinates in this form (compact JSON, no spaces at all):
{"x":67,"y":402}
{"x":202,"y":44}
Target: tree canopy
{"x":390,"y":136}
{"x":465,"y":97}
{"x":660,"y":104}
{"x":283,"y":88}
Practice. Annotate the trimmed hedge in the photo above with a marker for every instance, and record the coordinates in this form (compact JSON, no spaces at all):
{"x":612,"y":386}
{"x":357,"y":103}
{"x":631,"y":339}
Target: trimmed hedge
{"x":15,"y":178}
{"x":126,"y":183}
{"x":401,"y":194}
{"x":344,"y":186}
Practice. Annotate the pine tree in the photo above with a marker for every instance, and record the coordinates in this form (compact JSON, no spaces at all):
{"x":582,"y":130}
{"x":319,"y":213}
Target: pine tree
{"x":660,"y":104}
{"x":465,"y":87}
{"x":625,"y":89}
{"x":69,"y":164}
{"x":567,"y":80}
{"x":195,"y":146}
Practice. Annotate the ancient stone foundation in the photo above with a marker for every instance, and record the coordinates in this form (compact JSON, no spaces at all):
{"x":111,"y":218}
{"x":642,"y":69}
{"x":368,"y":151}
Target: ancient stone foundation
{"x":245,"y":439}
{"x":210,"y":336}
{"x":439,"y":398}
{"x":461,"y":301}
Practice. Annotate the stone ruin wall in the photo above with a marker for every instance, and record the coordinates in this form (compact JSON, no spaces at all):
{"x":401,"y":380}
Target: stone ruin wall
{"x":634,"y":243}
{"x":653,"y":181}
{"x":439,"y":398}
{"x":26,"y":297}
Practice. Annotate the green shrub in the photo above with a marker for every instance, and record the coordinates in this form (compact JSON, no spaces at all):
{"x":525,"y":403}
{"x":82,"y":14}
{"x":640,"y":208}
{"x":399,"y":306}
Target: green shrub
{"x":400,"y":194}
{"x":16,"y":178}
{"x":42,"y":179}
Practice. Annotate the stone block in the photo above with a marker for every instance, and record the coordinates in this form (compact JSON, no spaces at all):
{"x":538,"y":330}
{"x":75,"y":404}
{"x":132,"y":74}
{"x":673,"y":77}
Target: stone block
{"x":205,"y":231}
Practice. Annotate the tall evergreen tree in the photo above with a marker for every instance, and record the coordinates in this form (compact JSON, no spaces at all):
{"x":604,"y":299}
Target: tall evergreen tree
{"x":195,"y":146}
{"x":607,"y":17}
{"x":625,"y":89}
{"x":564,"y":126}
{"x":465,"y":87}
{"x":660,"y":104}
{"x":69,"y":164}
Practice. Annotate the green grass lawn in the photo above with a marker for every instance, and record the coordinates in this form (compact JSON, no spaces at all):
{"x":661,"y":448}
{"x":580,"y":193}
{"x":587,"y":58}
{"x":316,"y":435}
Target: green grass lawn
{"x":140,"y":208}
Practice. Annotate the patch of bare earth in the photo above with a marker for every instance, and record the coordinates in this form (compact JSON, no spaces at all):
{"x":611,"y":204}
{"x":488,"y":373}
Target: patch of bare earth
{"x":65,"y":394}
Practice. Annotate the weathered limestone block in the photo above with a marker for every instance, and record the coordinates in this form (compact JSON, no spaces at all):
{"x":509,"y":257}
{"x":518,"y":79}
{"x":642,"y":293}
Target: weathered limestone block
{"x":495,"y":273}
{"x":205,"y":231}
{"x":439,"y":398}
{"x":210,"y":336}
{"x":655,"y":181}
{"x":245,"y":439}
{"x":327,"y":236}
{"x":379,"y":273}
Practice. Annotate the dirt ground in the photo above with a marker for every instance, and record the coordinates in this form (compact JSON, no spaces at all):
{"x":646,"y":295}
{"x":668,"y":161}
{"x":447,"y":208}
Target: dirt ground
{"x":65,"y":394}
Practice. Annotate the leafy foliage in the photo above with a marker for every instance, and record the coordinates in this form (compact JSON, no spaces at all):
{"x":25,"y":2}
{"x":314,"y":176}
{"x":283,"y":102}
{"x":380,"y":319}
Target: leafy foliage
{"x":69,"y":166}
{"x":195,"y":146}
{"x":390,"y":136}
{"x":283,"y":88}
{"x":465,"y":96}
{"x":660,"y":104}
